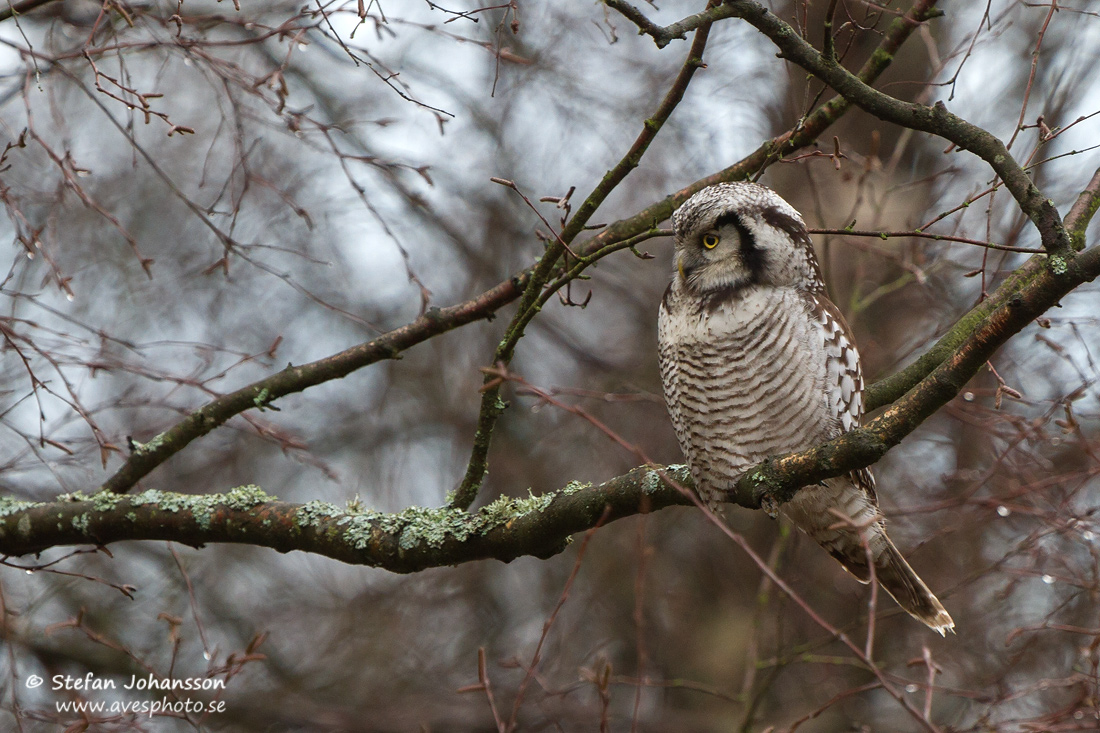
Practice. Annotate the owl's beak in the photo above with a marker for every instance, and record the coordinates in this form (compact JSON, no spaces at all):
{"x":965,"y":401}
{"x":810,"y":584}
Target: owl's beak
{"x":680,"y":268}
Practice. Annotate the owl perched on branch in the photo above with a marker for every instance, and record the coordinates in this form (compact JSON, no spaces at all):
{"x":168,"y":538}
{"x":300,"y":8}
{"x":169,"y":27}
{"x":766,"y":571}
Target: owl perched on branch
{"x":757,"y":361}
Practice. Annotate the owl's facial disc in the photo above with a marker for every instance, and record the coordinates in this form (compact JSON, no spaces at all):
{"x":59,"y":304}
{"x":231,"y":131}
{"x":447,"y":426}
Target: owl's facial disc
{"x":722,"y":255}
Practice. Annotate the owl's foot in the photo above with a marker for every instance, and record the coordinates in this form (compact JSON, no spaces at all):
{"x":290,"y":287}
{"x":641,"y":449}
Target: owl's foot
{"x":769,"y":505}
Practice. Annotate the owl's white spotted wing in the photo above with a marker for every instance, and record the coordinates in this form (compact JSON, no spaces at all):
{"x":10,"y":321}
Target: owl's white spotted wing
{"x":843,"y":375}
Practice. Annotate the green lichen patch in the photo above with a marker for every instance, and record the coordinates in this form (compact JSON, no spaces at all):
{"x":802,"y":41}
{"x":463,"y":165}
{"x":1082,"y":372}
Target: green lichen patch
{"x":574,"y":487}
{"x":433,"y":526}
{"x":151,"y":447}
{"x":312,"y":514}
{"x":359,"y":529}
{"x":422,"y":526}
{"x":105,"y":501}
{"x":163,"y":500}
{"x":245,"y":497}
{"x":507,"y":508}
{"x":652,"y":482}
{"x":201,"y":506}
{"x":9,"y":506}
{"x":81,"y":522}
{"x":881,"y":57}
{"x":532,"y":503}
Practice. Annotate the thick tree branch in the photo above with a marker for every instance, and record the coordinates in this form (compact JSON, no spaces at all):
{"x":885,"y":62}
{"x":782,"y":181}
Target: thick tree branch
{"x":407,"y":542}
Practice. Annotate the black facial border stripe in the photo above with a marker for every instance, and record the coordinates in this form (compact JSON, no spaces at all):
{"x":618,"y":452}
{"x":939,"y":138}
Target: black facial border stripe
{"x":754,"y":258}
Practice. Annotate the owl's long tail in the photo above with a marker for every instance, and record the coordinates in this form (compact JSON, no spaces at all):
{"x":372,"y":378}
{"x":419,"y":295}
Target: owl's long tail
{"x":895,"y":575}
{"x":836,"y":528}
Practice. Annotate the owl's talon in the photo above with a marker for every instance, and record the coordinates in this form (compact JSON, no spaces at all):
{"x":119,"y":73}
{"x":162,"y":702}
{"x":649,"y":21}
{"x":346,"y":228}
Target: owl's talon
{"x":770,"y":506}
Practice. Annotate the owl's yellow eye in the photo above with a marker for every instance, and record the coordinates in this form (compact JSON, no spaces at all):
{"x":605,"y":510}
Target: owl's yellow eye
{"x":710,"y":241}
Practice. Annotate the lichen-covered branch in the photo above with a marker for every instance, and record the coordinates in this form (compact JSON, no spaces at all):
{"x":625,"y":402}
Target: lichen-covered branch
{"x":407,"y":542}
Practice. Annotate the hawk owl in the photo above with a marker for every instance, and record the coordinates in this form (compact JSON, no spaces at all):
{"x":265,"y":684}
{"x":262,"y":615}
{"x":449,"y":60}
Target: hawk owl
{"x":757,"y":361}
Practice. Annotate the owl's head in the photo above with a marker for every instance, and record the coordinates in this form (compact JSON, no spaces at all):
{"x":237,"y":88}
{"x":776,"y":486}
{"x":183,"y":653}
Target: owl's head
{"x":735,"y":235}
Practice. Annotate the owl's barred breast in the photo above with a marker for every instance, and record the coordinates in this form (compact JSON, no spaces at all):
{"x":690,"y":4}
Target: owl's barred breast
{"x":745,"y":379}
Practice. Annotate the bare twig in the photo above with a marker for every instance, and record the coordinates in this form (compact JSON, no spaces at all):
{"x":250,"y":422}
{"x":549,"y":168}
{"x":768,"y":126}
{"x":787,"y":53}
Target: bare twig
{"x":927,"y":235}
{"x":491,"y":404}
